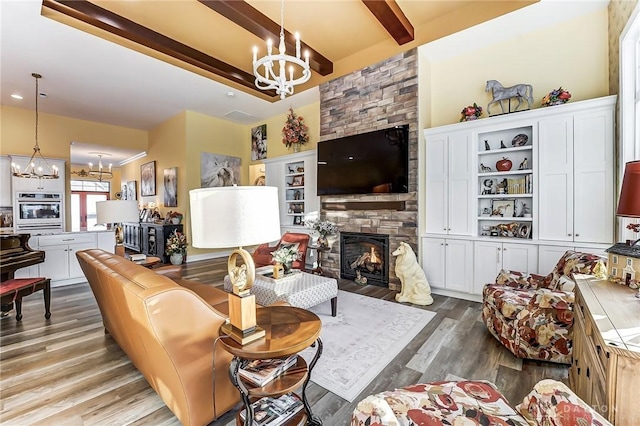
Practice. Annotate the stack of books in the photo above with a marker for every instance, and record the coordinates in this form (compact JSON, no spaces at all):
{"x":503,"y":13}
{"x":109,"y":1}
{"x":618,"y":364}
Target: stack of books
{"x":261,"y":371}
{"x":270,"y":411}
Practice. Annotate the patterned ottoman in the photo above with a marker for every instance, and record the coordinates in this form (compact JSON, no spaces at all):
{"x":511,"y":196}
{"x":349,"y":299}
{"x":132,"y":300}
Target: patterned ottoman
{"x":301,"y":290}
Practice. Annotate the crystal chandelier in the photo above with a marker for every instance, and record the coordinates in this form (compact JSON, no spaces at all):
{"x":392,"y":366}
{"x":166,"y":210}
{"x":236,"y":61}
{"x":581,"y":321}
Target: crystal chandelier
{"x":34,"y":168}
{"x":278,"y":81}
{"x":100,"y":174}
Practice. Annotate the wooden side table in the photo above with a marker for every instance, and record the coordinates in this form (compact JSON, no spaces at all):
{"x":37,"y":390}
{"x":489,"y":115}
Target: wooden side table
{"x":319,"y":250}
{"x":288,"y":331}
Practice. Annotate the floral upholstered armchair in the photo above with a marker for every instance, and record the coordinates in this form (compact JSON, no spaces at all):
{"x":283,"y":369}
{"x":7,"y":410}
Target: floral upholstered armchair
{"x":532,"y":315}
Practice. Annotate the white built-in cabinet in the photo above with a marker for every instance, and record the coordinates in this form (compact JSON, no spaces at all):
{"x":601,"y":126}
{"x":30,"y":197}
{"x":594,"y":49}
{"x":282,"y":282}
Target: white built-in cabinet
{"x":6,"y":195}
{"x":295,"y":177}
{"x":39,"y":185}
{"x":490,"y":257}
{"x":449,"y":183}
{"x":576,"y":176}
{"x":559,"y":193}
{"x":448,"y":263}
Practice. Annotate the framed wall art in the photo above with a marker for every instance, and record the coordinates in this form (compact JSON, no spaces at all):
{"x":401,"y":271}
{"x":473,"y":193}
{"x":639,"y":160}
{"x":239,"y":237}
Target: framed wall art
{"x":131,"y":190}
{"x":148,"y":179}
{"x":171,"y":187}
{"x":259,"y":142}
{"x":219,"y":170}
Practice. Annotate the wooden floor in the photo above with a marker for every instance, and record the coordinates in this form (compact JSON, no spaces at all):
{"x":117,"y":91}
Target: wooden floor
{"x":66,"y":371}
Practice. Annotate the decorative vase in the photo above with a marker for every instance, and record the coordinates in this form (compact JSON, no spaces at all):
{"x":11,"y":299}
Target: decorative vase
{"x":504,"y":165}
{"x":175,"y":220}
{"x":323,"y":242}
{"x":287,"y":267}
{"x":176,"y":258}
{"x":296,"y":147}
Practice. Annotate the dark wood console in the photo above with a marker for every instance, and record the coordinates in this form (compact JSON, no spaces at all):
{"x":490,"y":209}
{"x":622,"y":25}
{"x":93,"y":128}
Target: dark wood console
{"x":149,"y":238}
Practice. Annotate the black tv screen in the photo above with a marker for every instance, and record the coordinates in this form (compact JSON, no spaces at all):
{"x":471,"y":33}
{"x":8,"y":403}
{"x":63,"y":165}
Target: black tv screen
{"x":367,"y":163}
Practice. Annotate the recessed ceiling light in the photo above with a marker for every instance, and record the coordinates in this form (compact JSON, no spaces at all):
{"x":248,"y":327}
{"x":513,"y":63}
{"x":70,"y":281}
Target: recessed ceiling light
{"x":16,"y":96}
{"x":231,"y":94}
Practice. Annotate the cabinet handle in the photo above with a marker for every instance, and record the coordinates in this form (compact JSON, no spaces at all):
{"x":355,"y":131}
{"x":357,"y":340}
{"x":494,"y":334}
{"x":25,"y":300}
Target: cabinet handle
{"x":568,"y":235}
{"x":448,"y":229}
{"x":444,"y":229}
{"x":441,"y":244}
{"x":577,"y":235}
{"x":446,"y":244}
{"x":504,"y":249}
{"x":68,"y":239}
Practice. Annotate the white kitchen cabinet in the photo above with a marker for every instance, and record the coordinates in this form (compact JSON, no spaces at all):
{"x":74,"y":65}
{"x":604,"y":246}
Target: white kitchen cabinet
{"x":295,"y":177}
{"x":548,"y":255}
{"x":448,"y":184}
{"x":6,"y":195}
{"x":39,"y":185}
{"x":29,"y":271}
{"x":491,"y":257}
{"x":61,"y":264}
{"x":106,"y":241}
{"x":448,"y":263}
{"x":576,"y":175}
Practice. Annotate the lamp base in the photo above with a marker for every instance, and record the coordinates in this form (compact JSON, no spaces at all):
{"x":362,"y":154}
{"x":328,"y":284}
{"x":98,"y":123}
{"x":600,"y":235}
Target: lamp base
{"x":243,"y":336}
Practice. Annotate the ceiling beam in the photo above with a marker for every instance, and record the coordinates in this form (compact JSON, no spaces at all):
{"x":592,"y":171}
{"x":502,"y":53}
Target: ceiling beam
{"x":98,"y":17}
{"x":389,"y":14}
{"x":254,"y":21}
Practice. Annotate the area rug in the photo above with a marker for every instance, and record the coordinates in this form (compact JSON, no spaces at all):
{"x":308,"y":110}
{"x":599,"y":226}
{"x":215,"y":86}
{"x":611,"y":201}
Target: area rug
{"x":361,"y":340}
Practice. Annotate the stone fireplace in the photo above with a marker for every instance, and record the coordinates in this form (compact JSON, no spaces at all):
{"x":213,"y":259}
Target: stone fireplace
{"x":366,"y":255}
{"x":376,"y":97}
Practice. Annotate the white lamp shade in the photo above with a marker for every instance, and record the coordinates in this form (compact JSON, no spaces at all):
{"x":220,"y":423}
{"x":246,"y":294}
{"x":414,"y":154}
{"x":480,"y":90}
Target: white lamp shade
{"x":117,"y":211}
{"x":234,"y":216}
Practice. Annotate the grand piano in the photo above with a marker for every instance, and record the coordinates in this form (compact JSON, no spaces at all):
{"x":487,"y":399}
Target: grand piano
{"x":15,"y":253}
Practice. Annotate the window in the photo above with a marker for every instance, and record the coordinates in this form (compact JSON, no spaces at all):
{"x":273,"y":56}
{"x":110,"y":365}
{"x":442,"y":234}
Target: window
{"x":84,"y":195}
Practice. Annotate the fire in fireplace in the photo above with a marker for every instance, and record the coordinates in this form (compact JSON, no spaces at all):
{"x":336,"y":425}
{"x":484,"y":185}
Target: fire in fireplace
{"x":365,"y":255}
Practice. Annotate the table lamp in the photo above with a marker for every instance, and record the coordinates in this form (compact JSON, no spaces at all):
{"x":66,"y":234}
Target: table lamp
{"x":116,"y":212}
{"x":629,"y":202}
{"x":236,"y":216}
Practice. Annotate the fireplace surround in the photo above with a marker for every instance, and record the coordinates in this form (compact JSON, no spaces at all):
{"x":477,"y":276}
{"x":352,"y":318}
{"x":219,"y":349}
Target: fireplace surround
{"x":367,"y":254}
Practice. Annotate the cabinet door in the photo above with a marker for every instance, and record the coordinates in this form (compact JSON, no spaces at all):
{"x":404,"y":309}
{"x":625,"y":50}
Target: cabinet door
{"x":555,"y":166}
{"x":459,"y":265}
{"x":56,"y":263}
{"x":593,"y":177}
{"x":520,"y":257}
{"x":548,"y":257}
{"x":106,"y":241}
{"x":433,"y":261}
{"x":74,"y":266}
{"x":487,"y":262}
{"x":436,"y":185}
{"x":311,"y":201}
{"x":6,"y":195}
{"x":460,"y":192}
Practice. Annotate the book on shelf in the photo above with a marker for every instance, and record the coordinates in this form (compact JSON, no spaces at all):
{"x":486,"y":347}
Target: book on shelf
{"x":261,"y":371}
{"x":268,"y":411}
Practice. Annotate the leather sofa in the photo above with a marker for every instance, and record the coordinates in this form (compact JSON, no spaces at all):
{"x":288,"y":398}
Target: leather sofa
{"x":262,"y":254}
{"x":168,"y":329}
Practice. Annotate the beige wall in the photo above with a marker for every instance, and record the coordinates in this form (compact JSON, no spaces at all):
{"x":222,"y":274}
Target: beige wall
{"x":619,"y":13}
{"x":114,"y":182}
{"x":573,"y":54}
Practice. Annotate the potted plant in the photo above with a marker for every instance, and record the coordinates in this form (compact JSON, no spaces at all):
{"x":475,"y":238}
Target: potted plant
{"x":294,"y":132}
{"x":324,"y":228}
{"x":176,"y":247}
{"x":285,"y":255}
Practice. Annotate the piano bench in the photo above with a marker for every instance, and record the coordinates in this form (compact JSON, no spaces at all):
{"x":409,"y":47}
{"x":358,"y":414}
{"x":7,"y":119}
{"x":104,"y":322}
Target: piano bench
{"x":15,"y":289}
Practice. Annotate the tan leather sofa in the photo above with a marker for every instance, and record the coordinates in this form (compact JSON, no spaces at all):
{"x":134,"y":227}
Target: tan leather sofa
{"x":168,"y":331}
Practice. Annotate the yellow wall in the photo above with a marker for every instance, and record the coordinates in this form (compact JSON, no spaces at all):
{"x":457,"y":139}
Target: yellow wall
{"x":114,"y":182}
{"x":572,"y":54}
{"x":275,"y":147}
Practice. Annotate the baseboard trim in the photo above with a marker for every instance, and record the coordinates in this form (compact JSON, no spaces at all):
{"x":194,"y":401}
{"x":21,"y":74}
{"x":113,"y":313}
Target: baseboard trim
{"x":457,"y":294}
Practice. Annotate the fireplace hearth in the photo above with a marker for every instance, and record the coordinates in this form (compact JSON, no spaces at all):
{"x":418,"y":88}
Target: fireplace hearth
{"x":366,"y":255}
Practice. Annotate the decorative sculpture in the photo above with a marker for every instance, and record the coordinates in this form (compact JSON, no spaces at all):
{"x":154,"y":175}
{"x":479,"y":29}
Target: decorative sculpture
{"x":487,"y":147}
{"x":485,"y":169}
{"x":415,"y":287}
{"x":524,"y":164}
{"x":500,"y":93}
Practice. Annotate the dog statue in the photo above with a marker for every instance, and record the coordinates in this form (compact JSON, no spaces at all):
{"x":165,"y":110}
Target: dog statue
{"x":415,"y":288}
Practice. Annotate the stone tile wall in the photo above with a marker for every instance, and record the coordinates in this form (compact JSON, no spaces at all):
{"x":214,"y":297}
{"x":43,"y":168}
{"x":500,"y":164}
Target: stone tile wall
{"x":376,"y":97}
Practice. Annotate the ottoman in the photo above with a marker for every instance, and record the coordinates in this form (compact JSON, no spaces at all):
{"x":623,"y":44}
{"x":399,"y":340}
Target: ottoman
{"x":300,"y":289}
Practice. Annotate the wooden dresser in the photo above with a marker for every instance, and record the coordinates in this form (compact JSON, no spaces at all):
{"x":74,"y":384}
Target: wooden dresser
{"x":605,"y":370}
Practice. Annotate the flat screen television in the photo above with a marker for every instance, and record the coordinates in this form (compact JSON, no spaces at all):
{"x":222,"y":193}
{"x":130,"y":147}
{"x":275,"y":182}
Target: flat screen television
{"x":367,"y":163}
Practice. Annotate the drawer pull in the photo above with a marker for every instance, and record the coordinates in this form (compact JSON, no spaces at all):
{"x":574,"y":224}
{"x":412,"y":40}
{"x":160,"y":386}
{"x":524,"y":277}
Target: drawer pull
{"x":68,"y":239}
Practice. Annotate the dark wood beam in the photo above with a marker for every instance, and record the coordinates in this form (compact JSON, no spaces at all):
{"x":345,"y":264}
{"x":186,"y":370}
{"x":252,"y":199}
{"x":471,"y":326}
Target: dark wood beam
{"x":254,"y":21}
{"x":98,"y":17}
{"x":389,"y":14}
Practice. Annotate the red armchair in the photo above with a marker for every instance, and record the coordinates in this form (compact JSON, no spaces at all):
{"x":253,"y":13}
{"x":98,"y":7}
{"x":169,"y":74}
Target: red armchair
{"x":262,"y":254}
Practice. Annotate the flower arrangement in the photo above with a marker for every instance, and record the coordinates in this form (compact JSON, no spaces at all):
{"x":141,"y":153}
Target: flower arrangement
{"x":322,"y":227}
{"x":558,"y":96}
{"x":176,"y":243}
{"x":294,"y":132}
{"x":471,"y":112}
{"x":285,"y":254}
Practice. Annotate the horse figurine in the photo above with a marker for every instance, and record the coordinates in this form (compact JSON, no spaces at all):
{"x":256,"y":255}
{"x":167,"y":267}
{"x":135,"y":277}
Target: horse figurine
{"x":500,"y":93}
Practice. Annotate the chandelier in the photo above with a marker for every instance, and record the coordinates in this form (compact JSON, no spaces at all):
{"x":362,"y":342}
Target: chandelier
{"x":278,"y":81}
{"x":34,"y":168}
{"x":100,"y":174}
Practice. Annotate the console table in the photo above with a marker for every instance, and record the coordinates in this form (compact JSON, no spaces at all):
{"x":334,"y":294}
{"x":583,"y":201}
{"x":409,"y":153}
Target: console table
{"x":605,"y":368}
{"x":288,"y":331}
{"x":148,"y":238}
